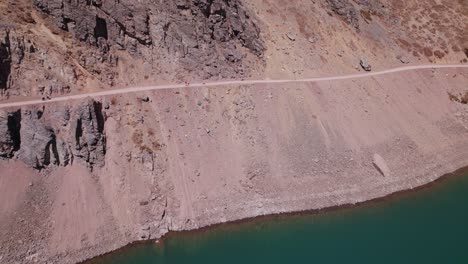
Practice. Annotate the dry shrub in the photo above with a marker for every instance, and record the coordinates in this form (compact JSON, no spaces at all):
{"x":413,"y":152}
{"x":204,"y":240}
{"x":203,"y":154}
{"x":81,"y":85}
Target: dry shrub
{"x":367,"y":15}
{"x":156,"y":144}
{"x":137,"y":138}
{"x":462,"y":99}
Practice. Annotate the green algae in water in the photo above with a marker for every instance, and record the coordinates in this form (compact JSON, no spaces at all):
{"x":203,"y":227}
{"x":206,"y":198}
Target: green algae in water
{"x":428,"y":226}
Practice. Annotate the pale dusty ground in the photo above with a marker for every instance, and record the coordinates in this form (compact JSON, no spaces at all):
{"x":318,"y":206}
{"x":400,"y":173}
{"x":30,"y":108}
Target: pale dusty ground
{"x":226,"y":153}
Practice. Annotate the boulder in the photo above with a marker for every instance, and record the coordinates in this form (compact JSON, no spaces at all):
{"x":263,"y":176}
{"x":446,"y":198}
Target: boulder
{"x":365,"y":65}
{"x":381,"y":165}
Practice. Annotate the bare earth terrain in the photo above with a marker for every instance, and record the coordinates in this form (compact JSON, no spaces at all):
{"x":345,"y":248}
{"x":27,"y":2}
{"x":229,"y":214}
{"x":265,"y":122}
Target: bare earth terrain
{"x":120,"y":122}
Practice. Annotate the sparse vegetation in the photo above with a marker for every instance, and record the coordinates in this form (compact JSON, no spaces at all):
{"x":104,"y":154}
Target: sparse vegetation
{"x":367,"y":15}
{"x":156,"y":144}
{"x":462,"y":99}
{"x":137,"y":138}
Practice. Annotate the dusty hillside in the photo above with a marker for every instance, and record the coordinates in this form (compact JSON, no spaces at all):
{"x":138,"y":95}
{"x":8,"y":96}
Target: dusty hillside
{"x":193,"y":157}
{"x":83,"y":177}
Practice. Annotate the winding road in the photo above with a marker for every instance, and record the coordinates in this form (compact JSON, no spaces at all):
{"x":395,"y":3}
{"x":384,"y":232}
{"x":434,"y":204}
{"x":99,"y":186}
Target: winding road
{"x":223,"y":83}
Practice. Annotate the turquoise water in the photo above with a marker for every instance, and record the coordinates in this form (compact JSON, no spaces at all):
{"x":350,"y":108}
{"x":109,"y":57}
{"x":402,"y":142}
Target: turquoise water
{"x":428,"y":226}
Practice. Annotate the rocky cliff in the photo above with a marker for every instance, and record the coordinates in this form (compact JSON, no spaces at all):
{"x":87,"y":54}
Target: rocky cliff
{"x":55,"y":136}
{"x":73,"y":44}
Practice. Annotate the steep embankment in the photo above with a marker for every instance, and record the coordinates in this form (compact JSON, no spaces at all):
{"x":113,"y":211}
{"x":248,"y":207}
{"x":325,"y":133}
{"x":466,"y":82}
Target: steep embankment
{"x":186,"y":158}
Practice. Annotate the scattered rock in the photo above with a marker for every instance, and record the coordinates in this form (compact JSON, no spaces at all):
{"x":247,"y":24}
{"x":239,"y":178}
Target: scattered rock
{"x":381,"y":165}
{"x":144,"y":99}
{"x":365,"y":65}
{"x":291,"y":37}
{"x":403,"y":59}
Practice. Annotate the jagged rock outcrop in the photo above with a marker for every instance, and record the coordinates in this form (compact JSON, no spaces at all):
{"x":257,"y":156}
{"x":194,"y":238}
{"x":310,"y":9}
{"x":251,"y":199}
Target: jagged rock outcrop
{"x":205,"y":36}
{"x":10,"y":123}
{"x":346,"y":10}
{"x":351,"y":10}
{"x":12,"y":52}
{"x":39,"y":145}
{"x":88,"y":128}
{"x":55,"y":135}
{"x":18,"y":56}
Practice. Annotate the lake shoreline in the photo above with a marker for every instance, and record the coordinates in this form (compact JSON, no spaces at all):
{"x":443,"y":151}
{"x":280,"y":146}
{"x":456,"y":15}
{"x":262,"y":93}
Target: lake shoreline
{"x":269,"y":217}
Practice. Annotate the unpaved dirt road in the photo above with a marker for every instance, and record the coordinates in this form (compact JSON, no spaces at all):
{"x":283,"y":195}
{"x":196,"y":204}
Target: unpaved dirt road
{"x":223,"y":83}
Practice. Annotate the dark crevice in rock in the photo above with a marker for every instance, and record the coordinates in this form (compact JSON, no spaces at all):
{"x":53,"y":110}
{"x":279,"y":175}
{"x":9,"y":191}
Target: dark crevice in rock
{"x":123,"y":29}
{"x":205,"y":6}
{"x":39,"y":114}
{"x":46,"y":160}
{"x":55,"y":150}
{"x":144,"y":42}
{"x":78,"y":133}
{"x":14,"y":128}
{"x":99,"y":116}
{"x":100,"y":31}
{"x":66,"y":22}
{"x":5,"y":61}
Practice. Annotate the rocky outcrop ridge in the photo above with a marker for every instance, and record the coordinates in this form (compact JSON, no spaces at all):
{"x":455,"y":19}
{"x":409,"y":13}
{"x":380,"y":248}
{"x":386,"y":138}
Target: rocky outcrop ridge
{"x":12,"y":49}
{"x":346,"y":10}
{"x":351,"y":10}
{"x":19,"y":55}
{"x":197,"y":32}
{"x":55,"y":136}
